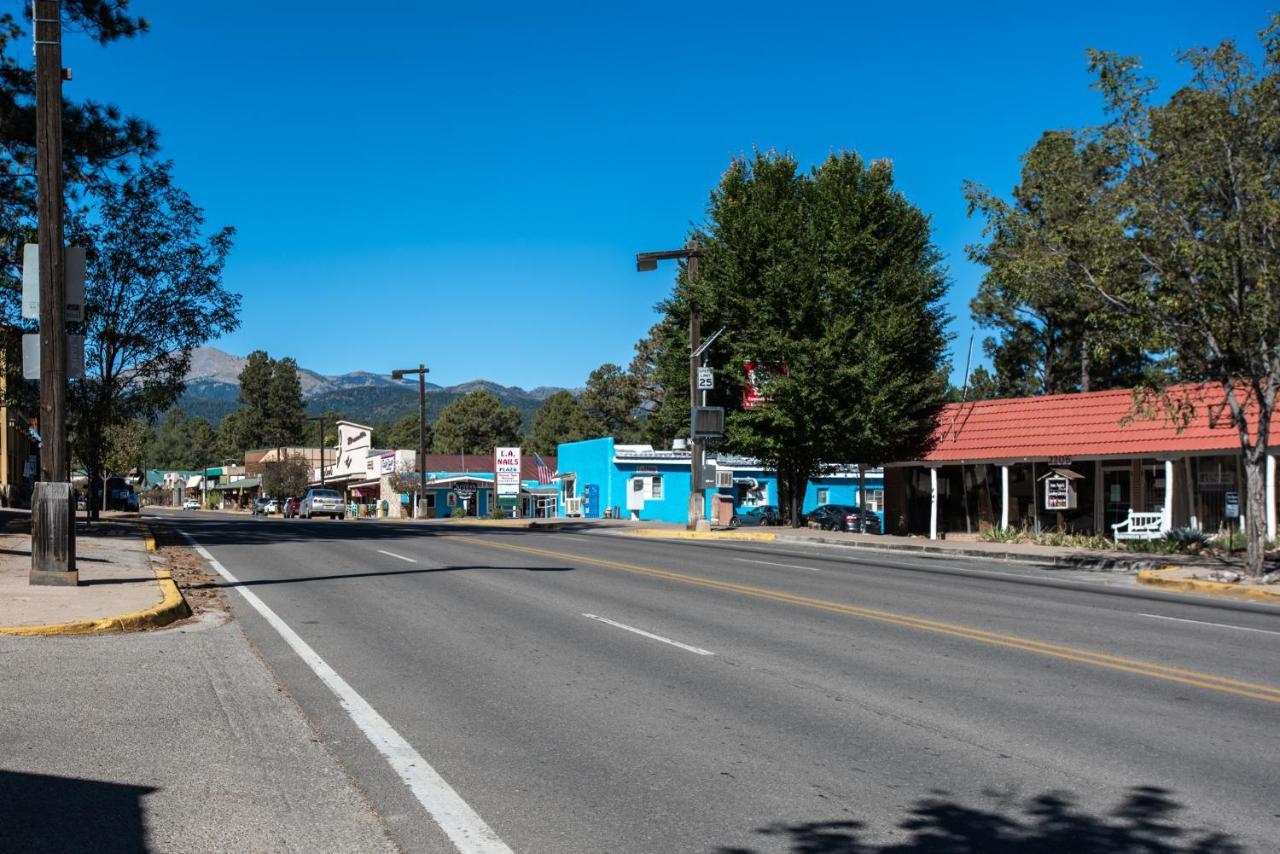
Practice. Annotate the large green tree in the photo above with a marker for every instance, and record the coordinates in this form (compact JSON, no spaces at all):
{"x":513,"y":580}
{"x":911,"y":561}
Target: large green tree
{"x":183,"y":442}
{"x":1199,"y":202}
{"x":271,"y":413}
{"x":828,"y":281}
{"x":402,"y":435}
{"x":99,"y":144}
{"x":1058,"y":232}
{"x":153,"y":293}
{"x":561,"y":418}
{"x":612,"y":398}
{"x":475,"y":423}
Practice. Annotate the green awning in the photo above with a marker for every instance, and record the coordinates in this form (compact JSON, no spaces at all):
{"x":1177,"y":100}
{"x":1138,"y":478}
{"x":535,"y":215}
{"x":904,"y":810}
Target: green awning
{"x":242,"y":483}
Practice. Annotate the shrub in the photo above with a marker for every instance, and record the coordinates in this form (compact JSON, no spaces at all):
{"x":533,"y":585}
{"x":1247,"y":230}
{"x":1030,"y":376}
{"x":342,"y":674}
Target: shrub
{"x":1001,"y":535}
{"x":498,"y":513}
{"x":458,"y":512}
{"x":1188,"y":539}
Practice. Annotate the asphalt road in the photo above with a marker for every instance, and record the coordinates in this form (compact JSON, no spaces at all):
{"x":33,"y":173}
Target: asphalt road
{"x":585,"y":692}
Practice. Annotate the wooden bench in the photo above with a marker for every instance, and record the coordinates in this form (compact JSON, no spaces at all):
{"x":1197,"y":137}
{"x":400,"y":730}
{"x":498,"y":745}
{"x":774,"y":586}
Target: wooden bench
{"x":1139,"y":526}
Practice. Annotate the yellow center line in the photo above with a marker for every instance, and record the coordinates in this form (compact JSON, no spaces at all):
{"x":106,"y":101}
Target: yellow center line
{"x":1069,"y":653}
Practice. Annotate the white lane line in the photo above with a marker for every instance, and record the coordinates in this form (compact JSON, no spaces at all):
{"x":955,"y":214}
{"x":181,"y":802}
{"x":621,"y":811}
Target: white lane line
{"x":1203,"y":623}
{"x":572,"y":537}
{"x":464,"y":827}
{"x":772,"y":563}
{"x":393,"y":554}
{"x":650,"y":635}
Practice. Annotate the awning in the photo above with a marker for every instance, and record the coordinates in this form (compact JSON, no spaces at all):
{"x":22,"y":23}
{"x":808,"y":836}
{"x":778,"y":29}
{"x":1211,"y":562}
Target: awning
{"x":365,"y":484}
{"x":235,"y":485}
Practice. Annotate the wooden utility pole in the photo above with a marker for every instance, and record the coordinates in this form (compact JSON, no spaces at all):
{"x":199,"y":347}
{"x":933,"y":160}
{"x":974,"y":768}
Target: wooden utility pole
{"x":53,"y":559}
{"x":696,"y":500}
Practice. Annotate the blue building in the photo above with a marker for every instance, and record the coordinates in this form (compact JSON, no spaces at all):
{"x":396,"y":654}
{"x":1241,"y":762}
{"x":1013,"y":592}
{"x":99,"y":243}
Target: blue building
{"x":602,"y":479}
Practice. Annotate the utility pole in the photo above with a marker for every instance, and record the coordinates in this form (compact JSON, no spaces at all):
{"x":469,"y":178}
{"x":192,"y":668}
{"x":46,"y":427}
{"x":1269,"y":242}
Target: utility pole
{"x":422,"y":371}
{"x":319,"y":419}
{"x":53,"y":546}
{"x":646,"y":261}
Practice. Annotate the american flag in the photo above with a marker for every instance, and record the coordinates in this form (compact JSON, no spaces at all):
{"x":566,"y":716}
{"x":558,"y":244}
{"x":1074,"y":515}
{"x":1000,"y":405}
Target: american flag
{"x":544,"y":471}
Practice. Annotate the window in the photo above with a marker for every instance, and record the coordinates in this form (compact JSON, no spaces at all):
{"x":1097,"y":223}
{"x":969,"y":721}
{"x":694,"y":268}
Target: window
{"x":875,"y":500}
{"x":570,"y":483}
{"x":451,"y":498}
{"x":656,"y":489}
{"x":824,"y":495}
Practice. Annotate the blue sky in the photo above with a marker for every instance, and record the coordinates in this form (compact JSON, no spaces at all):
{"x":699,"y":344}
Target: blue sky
{"x":467,"y":184}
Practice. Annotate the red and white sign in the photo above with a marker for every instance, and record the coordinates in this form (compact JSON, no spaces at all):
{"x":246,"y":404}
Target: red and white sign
{"x":506,"y":470}
{"x":755,"y":388}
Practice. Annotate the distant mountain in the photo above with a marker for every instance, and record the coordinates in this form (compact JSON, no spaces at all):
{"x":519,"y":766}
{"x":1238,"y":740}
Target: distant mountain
{"x":213,"y":386}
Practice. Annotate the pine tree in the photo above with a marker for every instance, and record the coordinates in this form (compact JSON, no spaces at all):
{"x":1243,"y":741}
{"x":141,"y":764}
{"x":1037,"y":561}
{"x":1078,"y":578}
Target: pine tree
{"x":561,"y":418}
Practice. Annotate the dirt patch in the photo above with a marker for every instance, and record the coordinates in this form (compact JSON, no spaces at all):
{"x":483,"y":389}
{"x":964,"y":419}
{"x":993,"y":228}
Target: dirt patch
{"x":202,"y":592}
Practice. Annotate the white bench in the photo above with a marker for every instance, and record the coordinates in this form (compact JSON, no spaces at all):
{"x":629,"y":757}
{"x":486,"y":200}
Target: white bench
{"x":1139,"y":526}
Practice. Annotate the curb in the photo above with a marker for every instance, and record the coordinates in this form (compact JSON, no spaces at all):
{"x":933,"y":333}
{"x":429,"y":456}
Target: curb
{"x":172,"y":607}
{"x":747,"y":536}
{"x":1087,"y":564}
{"x":1155,"y":578}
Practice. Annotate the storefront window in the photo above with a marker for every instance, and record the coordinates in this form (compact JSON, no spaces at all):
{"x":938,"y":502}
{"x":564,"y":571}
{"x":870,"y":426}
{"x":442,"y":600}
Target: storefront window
{"x":824,"y":495}
{"x":656,"y":490}
{"x":875,"y":500}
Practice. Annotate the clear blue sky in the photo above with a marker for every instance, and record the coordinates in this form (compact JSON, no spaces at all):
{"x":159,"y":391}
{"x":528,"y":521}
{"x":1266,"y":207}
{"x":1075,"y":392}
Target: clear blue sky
{"x":467,"y":184}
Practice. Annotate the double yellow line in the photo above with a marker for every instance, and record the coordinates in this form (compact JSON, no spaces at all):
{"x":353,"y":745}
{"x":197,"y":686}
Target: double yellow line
{"x":1068,"y":653}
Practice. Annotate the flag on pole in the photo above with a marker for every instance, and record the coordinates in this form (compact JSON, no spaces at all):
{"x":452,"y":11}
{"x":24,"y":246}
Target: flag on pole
{"x":544,"y":471}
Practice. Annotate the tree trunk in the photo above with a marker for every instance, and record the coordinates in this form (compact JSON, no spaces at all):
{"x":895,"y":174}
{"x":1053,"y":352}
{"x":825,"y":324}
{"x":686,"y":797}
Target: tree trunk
{"x":1086,"y":365}
{"x":862,"y":498}
{"x":1256,"y":511}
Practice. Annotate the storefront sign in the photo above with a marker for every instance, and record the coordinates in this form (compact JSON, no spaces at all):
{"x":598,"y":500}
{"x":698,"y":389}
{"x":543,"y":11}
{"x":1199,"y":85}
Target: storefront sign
{"x":387,"y":463}
{"x":465,"y":491}
{"x":1059,"y":461}
{"x":1232,"y":509}
{"x":506,"y":471}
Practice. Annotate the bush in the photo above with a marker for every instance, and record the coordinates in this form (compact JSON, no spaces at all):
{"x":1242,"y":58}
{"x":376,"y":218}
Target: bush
{"x":1075,"y":541}
{"x":1001,"y":535}
{"x":1234,"y":541}
{"x":498,"y":513}
{"x":458,"y":512}
{"x":1188,"y":539}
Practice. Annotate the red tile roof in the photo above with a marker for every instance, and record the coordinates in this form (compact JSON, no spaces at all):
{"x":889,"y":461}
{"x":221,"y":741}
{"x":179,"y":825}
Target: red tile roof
{"x":483,"y":463}
{"x":1082,"y":425}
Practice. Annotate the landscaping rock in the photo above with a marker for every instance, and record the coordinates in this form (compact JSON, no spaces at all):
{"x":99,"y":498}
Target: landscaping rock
{"x":1225,"y":575}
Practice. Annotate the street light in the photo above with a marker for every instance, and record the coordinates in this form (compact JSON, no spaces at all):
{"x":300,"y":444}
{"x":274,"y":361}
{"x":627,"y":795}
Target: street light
{"x":648,"y":261}
{"x":421,"y":371}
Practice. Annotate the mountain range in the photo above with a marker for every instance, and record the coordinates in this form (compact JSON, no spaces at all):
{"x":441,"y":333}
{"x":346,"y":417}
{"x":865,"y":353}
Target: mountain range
{"x":213,"y":385}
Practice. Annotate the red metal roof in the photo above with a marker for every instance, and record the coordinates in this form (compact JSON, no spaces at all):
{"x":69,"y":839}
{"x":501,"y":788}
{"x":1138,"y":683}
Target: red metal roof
{"x":483,"y":464}
{"x":1082,"y":425}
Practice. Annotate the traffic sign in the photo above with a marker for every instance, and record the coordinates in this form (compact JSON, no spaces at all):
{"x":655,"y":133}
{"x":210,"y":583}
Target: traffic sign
{"x":73,"y":277}
{"x":706,"y":379}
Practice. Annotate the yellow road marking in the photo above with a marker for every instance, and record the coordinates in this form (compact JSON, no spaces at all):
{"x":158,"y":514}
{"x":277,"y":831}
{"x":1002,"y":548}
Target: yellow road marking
{"x":1112,"y":662}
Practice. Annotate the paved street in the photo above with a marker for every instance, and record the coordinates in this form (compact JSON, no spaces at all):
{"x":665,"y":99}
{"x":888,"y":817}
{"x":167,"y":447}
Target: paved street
{"x":586,"y":692}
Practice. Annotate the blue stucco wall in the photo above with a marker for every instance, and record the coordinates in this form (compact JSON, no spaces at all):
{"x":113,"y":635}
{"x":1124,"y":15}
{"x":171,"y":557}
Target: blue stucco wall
{"x":842,"y":490}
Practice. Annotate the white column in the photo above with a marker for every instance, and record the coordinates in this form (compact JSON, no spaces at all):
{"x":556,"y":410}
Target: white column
{"x":933,"y":503}
{"x":1166,"y":521}
{"x":1004,"y":497}
{"x":1271,"y":497}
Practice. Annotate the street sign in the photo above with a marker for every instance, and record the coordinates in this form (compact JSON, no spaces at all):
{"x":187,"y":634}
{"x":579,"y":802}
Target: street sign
{"x":31,"y":356}
{"x":706,"y":379}
{"x":506,"y":468}
{"x":1232,"y":509}
{"x":73,"y":276}
{"x":706,"y":422}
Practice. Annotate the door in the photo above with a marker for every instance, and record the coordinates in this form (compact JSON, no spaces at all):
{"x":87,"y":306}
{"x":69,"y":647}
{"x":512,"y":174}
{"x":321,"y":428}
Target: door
{"x":1115,"y":497}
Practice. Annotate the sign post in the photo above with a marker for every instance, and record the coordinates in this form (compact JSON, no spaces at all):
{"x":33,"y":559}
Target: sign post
{"x":506,"y":477}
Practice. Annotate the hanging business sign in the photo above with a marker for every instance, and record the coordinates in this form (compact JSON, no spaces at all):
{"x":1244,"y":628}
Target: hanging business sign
{"x":1232,"y":508}
{"x":755,"y":387}
{"x":506,"y":471}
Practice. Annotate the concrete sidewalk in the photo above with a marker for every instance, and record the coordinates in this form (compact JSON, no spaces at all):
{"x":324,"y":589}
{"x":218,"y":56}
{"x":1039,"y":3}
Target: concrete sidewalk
{"x":116,"y":578}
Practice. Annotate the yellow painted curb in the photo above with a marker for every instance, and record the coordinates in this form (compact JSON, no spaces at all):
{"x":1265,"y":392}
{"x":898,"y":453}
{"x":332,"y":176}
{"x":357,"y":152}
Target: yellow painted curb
{"x":172,"y":607}
{"x":749,"y":536}
{"x":1156,"y":578}
{"x":148,"y":538}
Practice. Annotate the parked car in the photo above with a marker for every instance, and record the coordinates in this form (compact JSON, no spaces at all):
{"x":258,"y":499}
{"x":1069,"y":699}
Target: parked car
{"x":191,"y":504}
{"x":264,"y":506}
{"x":322,"y":502}
{"x":289,"y":507}
{"x":748,"y":517}
{"x":842,"y":517}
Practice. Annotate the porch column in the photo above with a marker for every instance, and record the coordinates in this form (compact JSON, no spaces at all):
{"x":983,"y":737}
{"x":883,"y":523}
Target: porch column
{"x":933,"y":503}
{"x":1271,"y":497}
{"x":1004,"y":497}
{"x":1166,"y":514}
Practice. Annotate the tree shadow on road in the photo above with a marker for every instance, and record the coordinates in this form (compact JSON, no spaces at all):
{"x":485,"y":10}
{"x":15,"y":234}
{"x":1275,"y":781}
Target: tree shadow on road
{"x":267,"y":582}
{"x":41,"y":813}
{"x":1142,"y":823}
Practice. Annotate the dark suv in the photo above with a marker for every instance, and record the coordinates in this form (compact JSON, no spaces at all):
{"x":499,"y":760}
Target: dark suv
{"x":843,"y":517}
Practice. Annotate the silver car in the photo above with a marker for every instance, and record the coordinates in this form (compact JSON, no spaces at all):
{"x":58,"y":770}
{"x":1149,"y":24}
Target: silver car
{"x":322,"y":502}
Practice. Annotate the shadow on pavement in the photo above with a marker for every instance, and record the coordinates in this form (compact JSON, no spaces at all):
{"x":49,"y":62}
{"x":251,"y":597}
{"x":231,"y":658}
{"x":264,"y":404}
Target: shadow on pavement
{"x":39,"y":813}
{"x":1049,"y":823}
